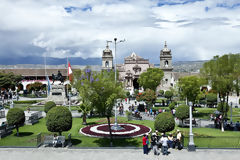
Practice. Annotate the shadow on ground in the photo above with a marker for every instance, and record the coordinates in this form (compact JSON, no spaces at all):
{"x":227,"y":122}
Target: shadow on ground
{"x":24,"y":134}
{"x":120,"y":142}
{"x":76,"y":141}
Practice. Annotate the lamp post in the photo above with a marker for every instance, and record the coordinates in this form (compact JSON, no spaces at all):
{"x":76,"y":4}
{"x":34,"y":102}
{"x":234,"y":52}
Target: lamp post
{"x":231,"y":112}
{"x":116,"y":126}
{"x":191,"y":145}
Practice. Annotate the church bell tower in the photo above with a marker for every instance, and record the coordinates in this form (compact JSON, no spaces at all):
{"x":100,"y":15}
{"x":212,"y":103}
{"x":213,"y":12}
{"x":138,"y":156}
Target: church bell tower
{"x":166,"y":59}
{"x":107,"y":58}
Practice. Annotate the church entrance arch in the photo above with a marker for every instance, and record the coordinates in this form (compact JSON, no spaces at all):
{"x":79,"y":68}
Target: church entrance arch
{"x":135,"y":84}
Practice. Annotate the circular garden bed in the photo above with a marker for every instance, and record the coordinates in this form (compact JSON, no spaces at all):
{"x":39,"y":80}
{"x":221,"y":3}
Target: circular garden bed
{"x":129,"y":130}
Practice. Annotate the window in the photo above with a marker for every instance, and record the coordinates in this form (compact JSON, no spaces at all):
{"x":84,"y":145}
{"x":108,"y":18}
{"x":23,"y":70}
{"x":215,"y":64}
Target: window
{"x":106,"y":64}
{"x":166,"y":63}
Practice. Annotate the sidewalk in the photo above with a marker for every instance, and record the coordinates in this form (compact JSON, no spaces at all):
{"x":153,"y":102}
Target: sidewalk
{"x":112,"y":154}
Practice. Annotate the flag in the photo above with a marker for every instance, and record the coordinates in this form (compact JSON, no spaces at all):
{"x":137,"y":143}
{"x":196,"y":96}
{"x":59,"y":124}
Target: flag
{"x":70,"y":73}
{"x":49,"y":84}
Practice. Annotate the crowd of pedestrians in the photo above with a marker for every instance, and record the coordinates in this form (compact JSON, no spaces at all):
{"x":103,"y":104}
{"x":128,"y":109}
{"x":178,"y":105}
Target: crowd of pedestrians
{"x":161,"y":142}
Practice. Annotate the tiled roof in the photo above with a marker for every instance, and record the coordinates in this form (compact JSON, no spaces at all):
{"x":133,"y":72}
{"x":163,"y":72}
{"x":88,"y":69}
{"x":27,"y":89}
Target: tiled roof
{"x":35,"y":72}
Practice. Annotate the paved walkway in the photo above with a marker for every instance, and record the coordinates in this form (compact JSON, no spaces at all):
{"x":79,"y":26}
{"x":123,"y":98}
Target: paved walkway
{"x":112,"y":154}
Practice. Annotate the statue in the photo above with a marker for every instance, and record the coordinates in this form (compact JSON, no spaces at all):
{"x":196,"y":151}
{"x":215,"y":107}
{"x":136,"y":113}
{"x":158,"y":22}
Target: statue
{"x":58,"y":77}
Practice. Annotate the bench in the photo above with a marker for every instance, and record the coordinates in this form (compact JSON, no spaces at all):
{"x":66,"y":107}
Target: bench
{"x":48,"y":141}
{"x":194,"y":122}
{"x":61,"y":140}
{"x":137,"y":116}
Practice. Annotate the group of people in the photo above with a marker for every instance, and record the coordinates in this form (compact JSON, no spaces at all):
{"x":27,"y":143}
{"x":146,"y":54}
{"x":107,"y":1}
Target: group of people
{"x":120,"y":109}
{"x":135,"y":112}
{"x":162,"y":142}
{"x":5,"y":96}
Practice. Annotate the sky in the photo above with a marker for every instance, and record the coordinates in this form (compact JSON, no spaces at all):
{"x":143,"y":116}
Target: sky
{"x":193,"y":29}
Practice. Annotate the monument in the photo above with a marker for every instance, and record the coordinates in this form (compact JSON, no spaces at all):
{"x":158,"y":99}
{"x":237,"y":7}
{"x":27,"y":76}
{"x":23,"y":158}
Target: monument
{"x":57,"y":92}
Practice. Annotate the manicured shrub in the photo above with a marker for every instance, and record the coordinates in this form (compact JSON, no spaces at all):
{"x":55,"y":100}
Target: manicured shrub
{"x":161,"y":92}
{"x":127,"y":94}
{"x":182,"y":112}
{"x":168,"y":95}
{"x":59,"y":119}
{"x":25,"y":102}
{"x":16,"y":117}
{"x":164,"y":122}
{"x":48,"y":106}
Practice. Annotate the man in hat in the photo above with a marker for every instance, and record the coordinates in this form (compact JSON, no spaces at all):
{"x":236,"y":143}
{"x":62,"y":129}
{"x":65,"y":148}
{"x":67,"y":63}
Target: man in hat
{"x":179,"y":139}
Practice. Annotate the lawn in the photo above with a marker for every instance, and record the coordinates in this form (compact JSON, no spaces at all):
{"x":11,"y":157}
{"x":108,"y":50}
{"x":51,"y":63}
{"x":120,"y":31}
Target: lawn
{"x":204,"y":137}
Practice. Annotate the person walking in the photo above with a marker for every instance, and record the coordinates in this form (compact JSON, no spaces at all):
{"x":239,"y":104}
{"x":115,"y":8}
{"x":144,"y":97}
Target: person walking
{"x":144,"y":142}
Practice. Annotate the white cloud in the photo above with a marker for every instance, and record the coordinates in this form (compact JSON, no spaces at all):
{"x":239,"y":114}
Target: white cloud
{"x":191,"y":31}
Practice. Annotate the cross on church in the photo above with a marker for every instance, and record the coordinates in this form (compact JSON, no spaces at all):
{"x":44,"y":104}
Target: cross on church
{"x":108,"y":42}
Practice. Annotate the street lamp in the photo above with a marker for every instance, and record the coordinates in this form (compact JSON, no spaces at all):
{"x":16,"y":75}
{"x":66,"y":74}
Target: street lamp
{"x":116,"y":126}
{"x":115,"y":44}
{"x":191,"y":145}
{"x":231,"y":112}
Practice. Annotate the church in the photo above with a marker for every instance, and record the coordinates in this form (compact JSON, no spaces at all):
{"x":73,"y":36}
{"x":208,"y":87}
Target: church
{"x":134,"y":65}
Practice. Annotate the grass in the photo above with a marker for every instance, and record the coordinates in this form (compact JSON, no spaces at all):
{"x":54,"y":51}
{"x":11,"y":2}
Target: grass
{"x":203,"y":137}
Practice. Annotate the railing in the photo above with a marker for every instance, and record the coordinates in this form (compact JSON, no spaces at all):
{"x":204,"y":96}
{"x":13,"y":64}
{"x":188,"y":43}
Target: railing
{"x":27,"y":140}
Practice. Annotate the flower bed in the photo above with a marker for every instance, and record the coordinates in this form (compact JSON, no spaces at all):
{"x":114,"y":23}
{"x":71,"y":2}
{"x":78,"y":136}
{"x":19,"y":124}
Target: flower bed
{"x":129,"y":130}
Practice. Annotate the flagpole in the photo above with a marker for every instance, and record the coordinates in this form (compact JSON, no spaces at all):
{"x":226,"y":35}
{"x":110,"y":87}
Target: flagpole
{"x":69,"y":101}
{"x":45,"y":69}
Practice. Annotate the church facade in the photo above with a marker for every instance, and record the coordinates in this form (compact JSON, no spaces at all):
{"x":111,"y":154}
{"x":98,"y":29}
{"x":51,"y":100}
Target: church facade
{"x":134,"y":66}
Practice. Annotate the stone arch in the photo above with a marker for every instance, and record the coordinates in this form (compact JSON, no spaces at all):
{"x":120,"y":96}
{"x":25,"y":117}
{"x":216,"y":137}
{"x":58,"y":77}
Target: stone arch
{"x":166,"y":63}
{"x":107,"y":64}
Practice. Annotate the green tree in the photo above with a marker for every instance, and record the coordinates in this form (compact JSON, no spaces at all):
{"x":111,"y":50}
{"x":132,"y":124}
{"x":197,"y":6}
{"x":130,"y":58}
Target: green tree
{"x":168,"y":95}
{"x":219,"y":72}
{"x":148,"y":96}
{"x":9,"y":80}
{"x":16,"y":117}
{"x":189,"y":87}
{"x":182,"y":112}
{"x":164,"y":122}
{"x":211,"y":99}
{"x":59,"y":119}
{"x":223,"y":74}
{"x":49,"y":105}
{"x":102,"y":91}
{"x":151,"y":79}
{"x":84,"y":84}
{"x":85,"y":108}
{"x":201,"y":98}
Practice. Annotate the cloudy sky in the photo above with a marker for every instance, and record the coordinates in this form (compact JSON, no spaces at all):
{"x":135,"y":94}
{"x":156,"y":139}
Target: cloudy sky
{"x":193,"y":29}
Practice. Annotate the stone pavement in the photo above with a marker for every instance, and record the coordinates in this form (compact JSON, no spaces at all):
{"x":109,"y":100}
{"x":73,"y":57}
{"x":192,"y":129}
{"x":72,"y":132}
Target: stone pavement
{"x":111,"y":154}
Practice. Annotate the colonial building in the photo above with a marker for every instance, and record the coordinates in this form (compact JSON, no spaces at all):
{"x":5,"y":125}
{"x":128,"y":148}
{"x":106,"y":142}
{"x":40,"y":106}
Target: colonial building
{"x":135,"y":65}
{"x":130,"y":71}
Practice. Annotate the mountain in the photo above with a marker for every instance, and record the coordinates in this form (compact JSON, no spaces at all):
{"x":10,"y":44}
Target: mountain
{"x":49,"y":60}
